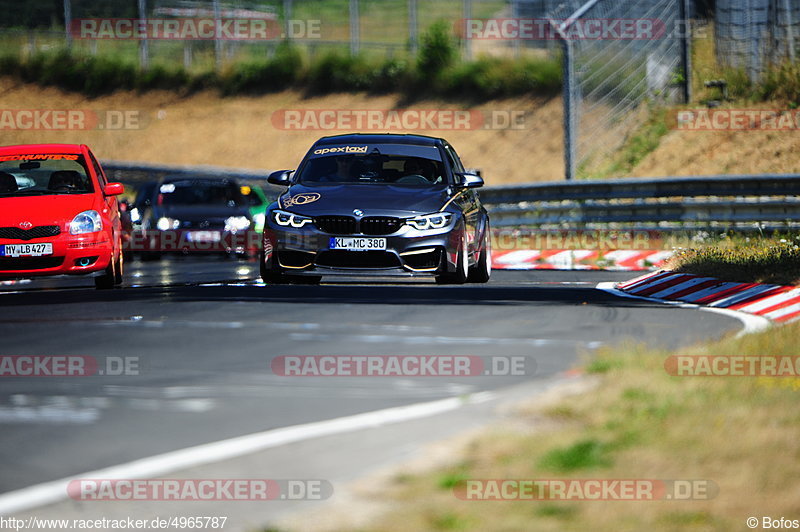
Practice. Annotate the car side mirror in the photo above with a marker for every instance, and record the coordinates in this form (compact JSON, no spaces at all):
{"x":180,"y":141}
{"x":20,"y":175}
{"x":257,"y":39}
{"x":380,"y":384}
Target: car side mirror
{"x":477,"y":171}
{"x":281,"y":177}
{"x":113,"y":189}
{"x":471,"y":180}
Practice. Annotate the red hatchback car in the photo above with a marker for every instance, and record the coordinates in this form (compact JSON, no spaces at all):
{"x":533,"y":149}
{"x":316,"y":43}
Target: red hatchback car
{"x":58,"y":214}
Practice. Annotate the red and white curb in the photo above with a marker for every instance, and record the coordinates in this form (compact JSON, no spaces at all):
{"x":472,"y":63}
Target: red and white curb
{"x":579,"y":259}
{"x":774,"y":302}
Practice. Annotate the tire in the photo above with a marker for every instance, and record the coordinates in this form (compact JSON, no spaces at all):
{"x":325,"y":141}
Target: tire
{"x":107,"y":279}
{"x":482,"y":271}
{"x":462,"y":268}
{"x":270,"y":275}
{"x":119,"y":270}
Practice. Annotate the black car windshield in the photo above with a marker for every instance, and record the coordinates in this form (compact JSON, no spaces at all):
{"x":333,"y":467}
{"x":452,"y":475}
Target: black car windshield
{"x":43,"y":174}
{"x":420,"y":167}
{"x":197,"y":192}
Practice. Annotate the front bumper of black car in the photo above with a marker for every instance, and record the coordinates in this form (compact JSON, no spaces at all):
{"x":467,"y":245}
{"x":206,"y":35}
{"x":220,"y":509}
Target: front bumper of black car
{"x":409,"y":252}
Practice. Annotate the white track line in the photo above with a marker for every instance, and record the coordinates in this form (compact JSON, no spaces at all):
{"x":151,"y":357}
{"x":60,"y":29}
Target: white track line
{"x":51,"y":492}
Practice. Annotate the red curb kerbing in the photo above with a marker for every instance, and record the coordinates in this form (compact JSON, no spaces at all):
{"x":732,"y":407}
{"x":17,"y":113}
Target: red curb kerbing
{"x":775,"y":302}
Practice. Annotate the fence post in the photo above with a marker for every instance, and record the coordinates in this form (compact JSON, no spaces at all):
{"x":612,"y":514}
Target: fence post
{"x":354,"y":28}
{"x":68,"y":23}
{"x":570,"y":120}
{"x":144,"y":52}
{"x":412,"y":26}
{"x":187,"y":55}
{"x":217,"y":40}
{"x":789,"y":30}
{"x":287,"y":19}
{"x":467,"y":12}
{"x":686,"y":50}
{"x":517,"y":43}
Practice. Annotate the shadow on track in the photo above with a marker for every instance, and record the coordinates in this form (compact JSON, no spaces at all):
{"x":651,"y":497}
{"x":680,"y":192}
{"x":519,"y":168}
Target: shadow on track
{"x":408,"y":294}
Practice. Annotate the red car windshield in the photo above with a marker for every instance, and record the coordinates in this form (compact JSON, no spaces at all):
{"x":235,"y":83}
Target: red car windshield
{"x":31,"y":175}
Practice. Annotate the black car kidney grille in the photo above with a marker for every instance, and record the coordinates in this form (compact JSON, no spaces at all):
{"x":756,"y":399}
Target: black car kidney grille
{"x":41,"y":231}
{"x":336,"y":225}
{"x":380,"y":225}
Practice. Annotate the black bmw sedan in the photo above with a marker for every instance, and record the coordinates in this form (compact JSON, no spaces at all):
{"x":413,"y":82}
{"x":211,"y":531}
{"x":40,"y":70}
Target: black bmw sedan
{"x":377,"y":205}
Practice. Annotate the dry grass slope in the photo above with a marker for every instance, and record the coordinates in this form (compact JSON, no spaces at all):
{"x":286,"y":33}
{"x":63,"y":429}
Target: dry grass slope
{"x":238,"y":132}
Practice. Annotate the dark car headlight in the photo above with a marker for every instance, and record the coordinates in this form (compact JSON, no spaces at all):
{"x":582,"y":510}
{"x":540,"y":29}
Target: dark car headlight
{"x":289,"y":219}
{"x":438,"y":220}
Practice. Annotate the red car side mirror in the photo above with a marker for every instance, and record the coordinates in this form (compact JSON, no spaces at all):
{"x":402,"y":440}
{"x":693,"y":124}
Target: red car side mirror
{"x":113,"y":189}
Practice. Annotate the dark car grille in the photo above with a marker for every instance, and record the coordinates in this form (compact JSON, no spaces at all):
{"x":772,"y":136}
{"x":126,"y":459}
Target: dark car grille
{"x":347,"y":225}
{"x":380,"y":225}
{"x":41,"y":231}
{"x":336,"y":225}
{"x":29,"y":263}
{"x":212,"y":223}
{"x":357,"y":259}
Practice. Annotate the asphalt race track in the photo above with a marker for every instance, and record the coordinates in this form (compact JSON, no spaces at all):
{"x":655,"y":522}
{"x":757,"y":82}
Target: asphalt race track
{"x":203,"y":333}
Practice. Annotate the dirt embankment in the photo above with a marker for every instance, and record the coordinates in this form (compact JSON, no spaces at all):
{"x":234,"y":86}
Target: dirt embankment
{"x":246,"y":132}
{"x":242,"y":132}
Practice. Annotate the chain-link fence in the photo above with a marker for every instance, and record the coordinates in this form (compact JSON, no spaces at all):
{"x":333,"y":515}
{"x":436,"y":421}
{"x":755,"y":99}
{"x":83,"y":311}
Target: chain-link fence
{"x":617,"y":55}
{"x":753,"y":34}
{"x":382,"y":28}
{"x":639,"y":55}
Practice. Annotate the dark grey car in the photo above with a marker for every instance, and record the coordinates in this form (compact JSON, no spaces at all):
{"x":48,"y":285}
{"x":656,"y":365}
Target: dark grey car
{"x":377,"y":205}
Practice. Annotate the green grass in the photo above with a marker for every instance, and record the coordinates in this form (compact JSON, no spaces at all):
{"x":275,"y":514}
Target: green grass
{"x":435,"y":72}
{"x":774,"y":260}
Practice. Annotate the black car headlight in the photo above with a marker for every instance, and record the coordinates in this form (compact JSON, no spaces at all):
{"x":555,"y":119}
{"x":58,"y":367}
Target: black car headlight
{"x":289,"y":219}
{"x":438,"y":220}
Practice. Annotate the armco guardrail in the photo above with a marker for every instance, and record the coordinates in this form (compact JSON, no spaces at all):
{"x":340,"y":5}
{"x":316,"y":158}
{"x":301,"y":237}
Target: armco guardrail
{"x":762,"y":202}
{"x":133,"y":172}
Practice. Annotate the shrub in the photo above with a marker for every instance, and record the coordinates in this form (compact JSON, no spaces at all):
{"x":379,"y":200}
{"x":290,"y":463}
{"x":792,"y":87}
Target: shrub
{"x":437,"y":51}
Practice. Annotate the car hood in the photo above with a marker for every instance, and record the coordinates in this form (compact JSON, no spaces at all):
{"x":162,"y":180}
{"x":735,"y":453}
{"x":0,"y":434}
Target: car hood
{"x":44,"y":210}
{"x":201,"y":212}
{"x":379,"y":200}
